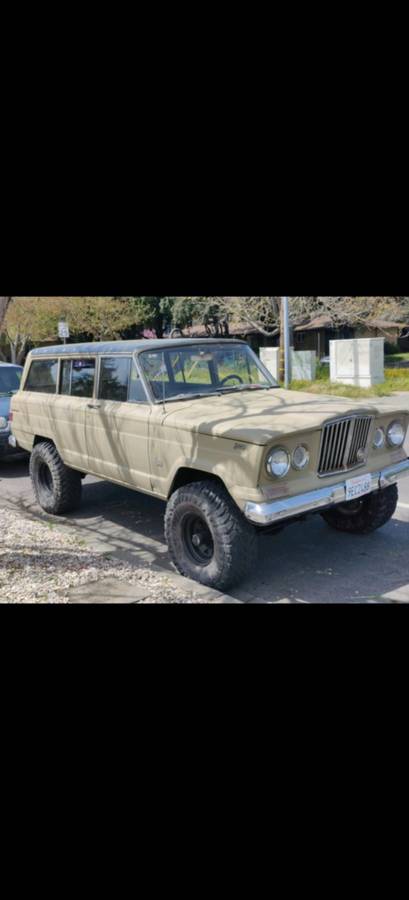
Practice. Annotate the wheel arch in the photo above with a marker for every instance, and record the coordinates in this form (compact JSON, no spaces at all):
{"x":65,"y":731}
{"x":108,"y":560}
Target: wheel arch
{"x":41,"y":439}
{"x":186,"y":475}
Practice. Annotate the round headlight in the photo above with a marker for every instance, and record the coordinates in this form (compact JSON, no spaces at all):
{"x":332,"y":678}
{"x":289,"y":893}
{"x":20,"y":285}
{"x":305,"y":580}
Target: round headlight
{"x":301,"y":458}
{"x":379,"y":439}
{"x":278,"y":463}
{"x":3,"y":422}
{"x":396,"y":434}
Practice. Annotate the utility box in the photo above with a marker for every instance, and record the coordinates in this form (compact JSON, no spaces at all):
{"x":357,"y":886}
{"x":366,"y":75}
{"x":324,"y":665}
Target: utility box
{"x":303,"y":365}
{"x":360,"y":362}
{"x":270,"y":357}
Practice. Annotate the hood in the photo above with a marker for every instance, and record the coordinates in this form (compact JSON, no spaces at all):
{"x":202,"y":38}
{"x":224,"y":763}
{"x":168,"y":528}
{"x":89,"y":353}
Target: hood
{"x":260,"y":417}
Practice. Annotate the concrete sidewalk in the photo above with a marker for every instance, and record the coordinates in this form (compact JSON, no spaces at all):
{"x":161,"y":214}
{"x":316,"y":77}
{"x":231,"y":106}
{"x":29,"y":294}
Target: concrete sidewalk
{"x":60,"y":560}
{"x":109,"y":590}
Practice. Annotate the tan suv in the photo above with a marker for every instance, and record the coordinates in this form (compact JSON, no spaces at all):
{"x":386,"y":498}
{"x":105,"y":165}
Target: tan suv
{"x":204,"y":426}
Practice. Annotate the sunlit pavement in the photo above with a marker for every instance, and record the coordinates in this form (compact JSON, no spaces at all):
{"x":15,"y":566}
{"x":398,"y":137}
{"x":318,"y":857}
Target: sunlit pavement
{"x":307,"y":562}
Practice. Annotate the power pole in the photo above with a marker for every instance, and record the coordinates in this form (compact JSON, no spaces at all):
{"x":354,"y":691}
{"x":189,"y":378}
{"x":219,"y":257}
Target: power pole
{"x":285,"y":343}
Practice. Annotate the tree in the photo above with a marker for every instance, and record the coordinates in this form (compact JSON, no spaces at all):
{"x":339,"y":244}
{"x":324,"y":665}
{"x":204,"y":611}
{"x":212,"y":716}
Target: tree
{"x":355,"y":311}
{"x":260,"y":313}
{"x":263,"y":313}
{"x":153,"y":312}
{"x":31,"y":320}
{"x":100,"y":318}
{"x":27,"y":320}
{"x":4,"y":303}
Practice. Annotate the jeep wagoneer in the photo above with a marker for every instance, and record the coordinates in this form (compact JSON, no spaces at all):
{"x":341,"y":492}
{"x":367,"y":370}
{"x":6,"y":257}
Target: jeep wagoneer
{"x":203,"y":425}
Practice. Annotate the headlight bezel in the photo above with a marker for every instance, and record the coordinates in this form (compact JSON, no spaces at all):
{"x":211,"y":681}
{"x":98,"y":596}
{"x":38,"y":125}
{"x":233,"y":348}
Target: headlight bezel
{"x":393,"y":444}
{"x":307,"y":458}
{"x":382,"y":430}
{"x":277,"y":450}
{"x":4,"y":423}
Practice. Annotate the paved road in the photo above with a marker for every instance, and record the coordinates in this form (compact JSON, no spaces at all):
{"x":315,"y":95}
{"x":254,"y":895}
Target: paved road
{"x":307,"y":562}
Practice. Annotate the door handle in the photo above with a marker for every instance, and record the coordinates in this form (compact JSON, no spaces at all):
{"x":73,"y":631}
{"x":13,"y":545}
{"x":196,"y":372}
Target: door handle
{"x":94,"y":405}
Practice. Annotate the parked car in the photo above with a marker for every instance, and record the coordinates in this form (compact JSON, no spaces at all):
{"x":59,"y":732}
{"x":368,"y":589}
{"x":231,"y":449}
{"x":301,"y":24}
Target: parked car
{"x":10,"y":377}
{"x":204,"y":426}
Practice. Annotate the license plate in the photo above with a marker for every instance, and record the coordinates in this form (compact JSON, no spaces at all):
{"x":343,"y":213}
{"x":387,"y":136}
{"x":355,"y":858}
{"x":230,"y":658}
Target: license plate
{"x":358,"y":487}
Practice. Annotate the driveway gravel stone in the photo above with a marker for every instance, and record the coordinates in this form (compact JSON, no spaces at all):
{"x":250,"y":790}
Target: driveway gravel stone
{"x":41,"y":562}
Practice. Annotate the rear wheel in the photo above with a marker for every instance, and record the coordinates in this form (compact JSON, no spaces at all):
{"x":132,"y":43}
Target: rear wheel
{"x":209,"y":540}
{"x":365,"y":515}
{"x":57,"y":488}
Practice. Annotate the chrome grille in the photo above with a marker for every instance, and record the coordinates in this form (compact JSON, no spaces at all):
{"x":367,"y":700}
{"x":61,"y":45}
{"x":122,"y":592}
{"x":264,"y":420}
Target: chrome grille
{"x":341,"y":442}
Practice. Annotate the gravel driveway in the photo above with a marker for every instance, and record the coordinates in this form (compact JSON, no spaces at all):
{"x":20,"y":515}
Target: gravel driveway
{"x":40,"y":562}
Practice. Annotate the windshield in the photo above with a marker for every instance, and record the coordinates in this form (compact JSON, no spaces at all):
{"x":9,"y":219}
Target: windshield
{"x":203,"y":369}
{"x":10,"y":377}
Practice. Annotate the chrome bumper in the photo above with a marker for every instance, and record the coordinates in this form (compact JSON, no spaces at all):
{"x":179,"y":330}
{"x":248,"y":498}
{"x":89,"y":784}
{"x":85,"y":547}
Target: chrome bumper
{"x":288,"y":507}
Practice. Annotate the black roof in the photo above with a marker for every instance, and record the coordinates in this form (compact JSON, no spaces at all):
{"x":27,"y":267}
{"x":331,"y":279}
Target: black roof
{"x":125,"y":346}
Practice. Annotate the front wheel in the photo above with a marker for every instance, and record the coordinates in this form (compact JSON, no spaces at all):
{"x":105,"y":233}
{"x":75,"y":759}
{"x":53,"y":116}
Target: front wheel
{"x":209,"y":540}
{"x":365,"y":515}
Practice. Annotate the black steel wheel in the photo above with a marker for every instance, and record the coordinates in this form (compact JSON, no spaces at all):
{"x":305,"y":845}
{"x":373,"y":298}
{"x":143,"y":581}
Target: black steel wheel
{"x":208,"y":537}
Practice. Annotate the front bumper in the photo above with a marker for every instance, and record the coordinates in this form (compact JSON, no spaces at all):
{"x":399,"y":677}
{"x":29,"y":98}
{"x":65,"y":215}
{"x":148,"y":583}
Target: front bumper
{"x":290,"y":507}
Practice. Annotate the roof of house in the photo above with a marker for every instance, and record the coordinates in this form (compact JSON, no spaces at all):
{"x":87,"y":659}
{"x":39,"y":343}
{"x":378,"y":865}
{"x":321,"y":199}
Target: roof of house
{"x":326,"y":322}
{"x":385,"y":324}
{"x":313,"y":324}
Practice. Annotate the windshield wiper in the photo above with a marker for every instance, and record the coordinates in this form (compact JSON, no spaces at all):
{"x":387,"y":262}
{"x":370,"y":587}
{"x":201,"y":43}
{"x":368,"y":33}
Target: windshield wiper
{"x":218,"y":393}
{"x":7,"y":393}
{"x":180,"y":397}
{"x":247,"y":387}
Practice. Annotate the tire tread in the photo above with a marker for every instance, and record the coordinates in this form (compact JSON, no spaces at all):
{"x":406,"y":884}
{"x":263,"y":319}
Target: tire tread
{"x":66,"y":482}
{"x":376,"y":511}
{"x":236,"y":538}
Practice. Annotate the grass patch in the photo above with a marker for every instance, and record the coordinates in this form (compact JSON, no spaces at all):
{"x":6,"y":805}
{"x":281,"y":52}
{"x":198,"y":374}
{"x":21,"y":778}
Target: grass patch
{"x":397,"y":357}
{"x":395,"y":380}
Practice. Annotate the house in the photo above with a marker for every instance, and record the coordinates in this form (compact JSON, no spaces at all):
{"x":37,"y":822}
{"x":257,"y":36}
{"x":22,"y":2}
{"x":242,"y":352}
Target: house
{"x":391,"y":331}
{"x":403,"y":341}
{"x":316,"y":334}
{"x":312,"y":334}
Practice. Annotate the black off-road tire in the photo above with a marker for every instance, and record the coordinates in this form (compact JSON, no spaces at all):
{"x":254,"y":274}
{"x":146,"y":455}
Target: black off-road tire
{"x":234,"y":541}
{"x":366,"y":515}
{"x":57,"y":488}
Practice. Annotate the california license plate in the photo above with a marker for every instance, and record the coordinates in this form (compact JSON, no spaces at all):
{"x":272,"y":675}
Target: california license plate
{"x":358,"y":487}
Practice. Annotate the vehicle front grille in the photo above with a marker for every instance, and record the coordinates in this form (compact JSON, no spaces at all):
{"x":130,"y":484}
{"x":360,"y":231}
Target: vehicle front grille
{"x":344,"y":444}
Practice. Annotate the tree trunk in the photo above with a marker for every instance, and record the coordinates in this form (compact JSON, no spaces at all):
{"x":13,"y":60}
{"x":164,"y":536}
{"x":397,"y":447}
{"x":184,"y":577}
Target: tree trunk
{"x":4,"y":302}
{"x":13,"y":352}
{"x":21,"y":353}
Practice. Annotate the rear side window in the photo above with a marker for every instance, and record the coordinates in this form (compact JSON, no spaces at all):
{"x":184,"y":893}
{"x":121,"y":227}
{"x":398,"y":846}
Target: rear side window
{"x":77,"y":377}
{"x":120,"y":381}
{"x":114,"y":379}
{"x":42,"y":376}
